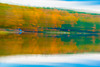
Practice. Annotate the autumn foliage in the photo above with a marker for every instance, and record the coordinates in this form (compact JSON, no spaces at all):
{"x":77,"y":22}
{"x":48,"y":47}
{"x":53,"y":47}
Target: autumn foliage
{"x":32,"y":18}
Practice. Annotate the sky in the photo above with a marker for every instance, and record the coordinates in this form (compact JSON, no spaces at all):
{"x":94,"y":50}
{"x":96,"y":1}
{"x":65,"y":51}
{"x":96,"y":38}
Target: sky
{"x":89,"y":6}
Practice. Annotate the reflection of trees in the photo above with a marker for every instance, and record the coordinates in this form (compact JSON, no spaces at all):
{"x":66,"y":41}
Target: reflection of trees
{"x":84,"y":43}
{"x":25,"y":44}
{"x":37,"y":44}
{"x":81,"y":39}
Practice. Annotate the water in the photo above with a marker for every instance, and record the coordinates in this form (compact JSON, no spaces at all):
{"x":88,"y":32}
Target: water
{"x":48,"y":45}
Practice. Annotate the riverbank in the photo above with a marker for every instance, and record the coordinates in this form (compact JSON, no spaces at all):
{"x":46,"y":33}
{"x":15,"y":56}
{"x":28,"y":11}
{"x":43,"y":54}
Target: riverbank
{"x":8,"y":31}
{"x":3,"y":32}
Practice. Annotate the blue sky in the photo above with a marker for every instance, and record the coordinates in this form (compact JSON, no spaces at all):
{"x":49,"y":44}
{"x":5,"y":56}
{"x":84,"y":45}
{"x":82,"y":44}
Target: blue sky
{"x":89,"y":6}
{"x":94,"y":2}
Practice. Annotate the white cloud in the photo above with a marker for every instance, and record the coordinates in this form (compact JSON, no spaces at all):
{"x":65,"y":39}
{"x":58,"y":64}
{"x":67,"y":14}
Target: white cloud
{"x":74,"y":5}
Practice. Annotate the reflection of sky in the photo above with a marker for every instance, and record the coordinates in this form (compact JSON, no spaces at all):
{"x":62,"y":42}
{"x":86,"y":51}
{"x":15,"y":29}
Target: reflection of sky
{"x":60,"y":65}
{"x":80,"y":0}
{"x":84,"y":6}
{"x":73,"y":60}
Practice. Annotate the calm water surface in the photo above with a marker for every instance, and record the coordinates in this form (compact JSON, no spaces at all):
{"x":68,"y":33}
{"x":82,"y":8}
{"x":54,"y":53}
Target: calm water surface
{"x":47,"y":44}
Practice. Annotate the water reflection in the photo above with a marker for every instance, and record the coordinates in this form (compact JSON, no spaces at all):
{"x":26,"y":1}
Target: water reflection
{"x":45,"y":43}
{"x":65,"y":60}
